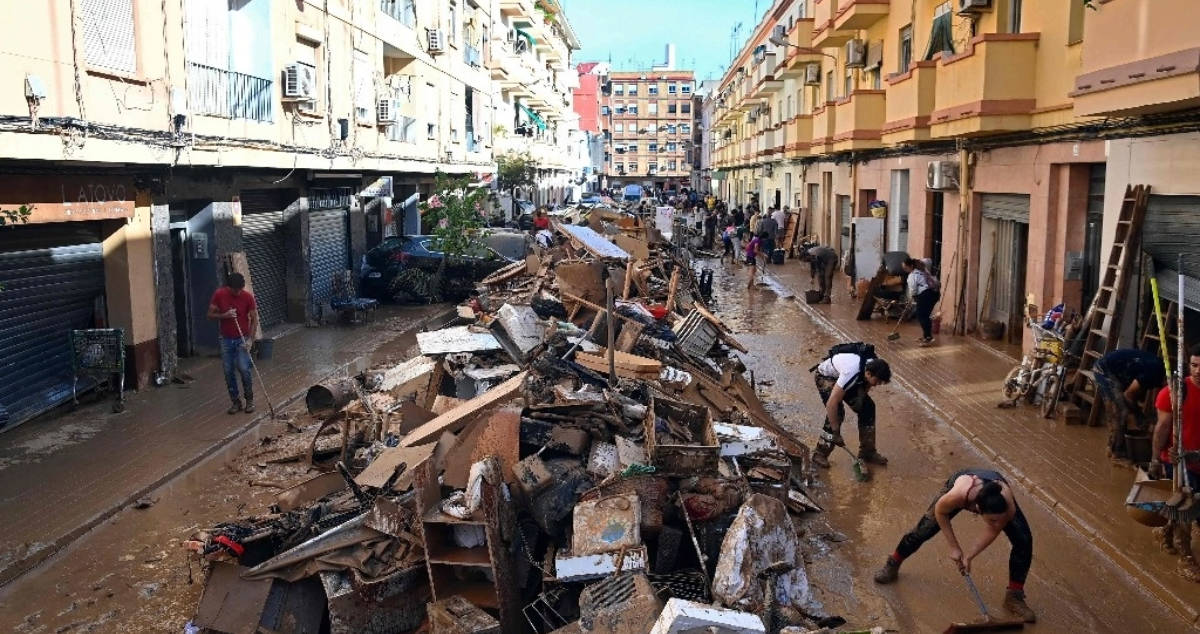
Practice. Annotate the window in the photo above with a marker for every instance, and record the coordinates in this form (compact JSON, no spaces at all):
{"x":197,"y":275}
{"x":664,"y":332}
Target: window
{"x":802,"y":9}
{"x":789,"y":113}
{"x":633,"y":167}
{"x":473,"y":121}
{"x":653,"y":147}
{"x":670,"y":128}
{"x":633,"y":148}
{"x":364,"y":88}
{"x":652,"y":129}
{"x":829,"y":94}
{"x":672,"y":165}
{"x":906,"y":49}
{"x":618,"y":89}
{"x":671,"y":108}
{"x":631,"y":89}
{"x":671,"y":89}
{"x":685,"y":108}
{"x":633,"y":110}
{"x":452,"y":27}
{"x":108,"y":35}
{"x":672,"y":146}
{"x":403,"y":11}
{"x":653,"y":107}
{"x":876,"y":79}
{"x":430,"y":130}
{"x":620,"y":127}
{"x":1075,"y":24}
{"x":653,"y":167}
{"x":685,"y":129}
{"x":619,"y":166}
{"x":652,"y":89}
{"x":686,"y":89}
{"x":403,"y":130}
{"x":848,"y":83}
{"x":1014,"y":15}
{"x":604,"y":110}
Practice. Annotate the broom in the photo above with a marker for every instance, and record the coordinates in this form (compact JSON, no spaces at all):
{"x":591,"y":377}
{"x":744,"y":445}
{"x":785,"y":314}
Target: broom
{"x":1181,"y":508}
{"x":861,"y":472}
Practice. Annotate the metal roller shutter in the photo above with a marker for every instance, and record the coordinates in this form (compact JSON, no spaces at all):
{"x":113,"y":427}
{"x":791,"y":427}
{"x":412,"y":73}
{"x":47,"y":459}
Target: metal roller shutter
{"x":49,"y":289}
{"x":1172,"y":228}
{"x":262,"y":239}
{"x":329,"y":252}
{"x":1014,"y":207}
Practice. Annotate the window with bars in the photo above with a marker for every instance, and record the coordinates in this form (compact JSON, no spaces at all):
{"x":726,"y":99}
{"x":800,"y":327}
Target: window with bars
{"x":108,"y":35}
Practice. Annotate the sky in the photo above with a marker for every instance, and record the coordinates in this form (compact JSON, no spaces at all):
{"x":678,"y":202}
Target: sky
{"x":634,"y":33}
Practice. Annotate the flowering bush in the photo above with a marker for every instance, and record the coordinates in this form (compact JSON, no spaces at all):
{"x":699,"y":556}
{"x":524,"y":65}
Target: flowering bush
{"x":455,"y":214}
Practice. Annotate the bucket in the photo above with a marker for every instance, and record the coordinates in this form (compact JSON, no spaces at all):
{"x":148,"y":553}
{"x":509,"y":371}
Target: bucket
{"x":777,"y":256}
{"x":264,"y":348}
{"x":991,"y":329}
{"x":812,"y":296}
{"x":1137,"y":447}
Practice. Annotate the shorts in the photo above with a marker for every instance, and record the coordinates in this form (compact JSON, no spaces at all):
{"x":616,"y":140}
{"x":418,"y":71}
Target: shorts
{"x":750,"y":260}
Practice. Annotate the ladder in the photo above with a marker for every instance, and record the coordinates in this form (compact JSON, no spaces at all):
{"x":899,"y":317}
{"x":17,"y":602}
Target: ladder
{"x":1150,"y":343}
{"x":1102,"y":325}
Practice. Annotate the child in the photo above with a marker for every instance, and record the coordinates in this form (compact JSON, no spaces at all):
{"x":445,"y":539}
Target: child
{"x":752,"y":249}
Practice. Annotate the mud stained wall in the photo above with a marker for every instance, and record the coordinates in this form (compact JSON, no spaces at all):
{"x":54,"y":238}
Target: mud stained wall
{"x":129,"y":291}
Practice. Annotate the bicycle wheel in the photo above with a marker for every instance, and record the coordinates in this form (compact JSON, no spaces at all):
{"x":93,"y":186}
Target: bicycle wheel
{"x":1053,"y":393}
{"x":1012,"y":388}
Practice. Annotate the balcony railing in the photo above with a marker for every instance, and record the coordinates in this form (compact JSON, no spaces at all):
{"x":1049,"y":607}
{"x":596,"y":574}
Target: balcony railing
{"x":224,"y":93}
{"x":403,"y":11}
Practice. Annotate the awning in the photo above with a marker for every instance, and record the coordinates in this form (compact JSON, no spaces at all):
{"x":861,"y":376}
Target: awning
{"x":533,"y":116}
{"x":528,"y":38}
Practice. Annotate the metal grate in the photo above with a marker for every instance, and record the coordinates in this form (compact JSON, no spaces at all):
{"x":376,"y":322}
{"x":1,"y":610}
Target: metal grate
{"x":329,"y":254}
{"x":225,"y":93}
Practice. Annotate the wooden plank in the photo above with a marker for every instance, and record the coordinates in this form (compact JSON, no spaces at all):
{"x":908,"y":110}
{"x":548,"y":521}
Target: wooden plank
{"x":464,"y":413}
{"x":628,"y":280}
{"x":672,"y":289}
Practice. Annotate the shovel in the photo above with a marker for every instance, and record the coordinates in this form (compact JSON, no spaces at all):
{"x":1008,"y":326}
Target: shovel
{"x":988,"y":624}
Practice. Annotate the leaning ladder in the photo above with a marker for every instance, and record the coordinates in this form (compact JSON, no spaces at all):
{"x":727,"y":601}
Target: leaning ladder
{"x":1150,"y":342}
{"x":1102,"y":324}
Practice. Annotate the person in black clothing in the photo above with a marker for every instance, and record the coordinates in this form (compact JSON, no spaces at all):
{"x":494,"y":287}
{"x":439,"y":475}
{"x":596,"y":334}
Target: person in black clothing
{"x":739,"y":217}
{"x":1121,"y":378}
{"x":987,"y":494}
{"x":710,"y":228}
{"x":823,"y":263}
{"x":925,"y":292}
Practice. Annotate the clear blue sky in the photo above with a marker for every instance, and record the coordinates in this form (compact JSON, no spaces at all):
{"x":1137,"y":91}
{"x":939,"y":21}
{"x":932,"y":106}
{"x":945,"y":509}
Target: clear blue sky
{"x":635,"y":32}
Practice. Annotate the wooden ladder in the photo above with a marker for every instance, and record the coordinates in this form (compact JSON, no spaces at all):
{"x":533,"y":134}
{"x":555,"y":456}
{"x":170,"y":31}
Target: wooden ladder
{"x":1102,"y":325}
{"x":1150,"y":343}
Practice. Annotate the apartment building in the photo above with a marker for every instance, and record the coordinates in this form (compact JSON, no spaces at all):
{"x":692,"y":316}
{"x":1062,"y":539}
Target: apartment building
{"x":531,"y":65}
{"x":586,"y":101}
{"x":647,"y":118}
{"x":151,"y":138}
{"x":702,"y":139}
{"x":1001,"y":134}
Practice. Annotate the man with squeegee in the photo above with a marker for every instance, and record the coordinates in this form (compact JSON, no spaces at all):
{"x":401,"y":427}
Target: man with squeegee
{"x":987,"y":494}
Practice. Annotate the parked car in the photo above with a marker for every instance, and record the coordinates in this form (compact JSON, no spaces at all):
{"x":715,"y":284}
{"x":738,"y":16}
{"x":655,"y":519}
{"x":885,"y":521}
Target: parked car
{"x":400,"y":268}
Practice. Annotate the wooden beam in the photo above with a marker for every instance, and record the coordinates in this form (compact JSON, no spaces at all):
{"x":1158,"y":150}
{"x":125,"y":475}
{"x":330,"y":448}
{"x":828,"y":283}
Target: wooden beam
{"x":463,"y":413}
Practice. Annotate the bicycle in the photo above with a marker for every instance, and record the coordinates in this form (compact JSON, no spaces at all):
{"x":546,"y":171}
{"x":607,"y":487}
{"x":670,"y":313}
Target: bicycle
{"x":1040,"y":374}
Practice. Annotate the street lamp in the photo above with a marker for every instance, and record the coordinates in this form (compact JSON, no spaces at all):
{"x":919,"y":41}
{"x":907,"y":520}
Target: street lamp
{"x":807,"y":50}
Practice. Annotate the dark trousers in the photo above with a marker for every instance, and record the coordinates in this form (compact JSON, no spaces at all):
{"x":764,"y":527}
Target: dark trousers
{"x":825,"y":271}
{"x":1017,"y":531}
{"x":860,"y":403}
{"x":925,"y":303}
{"x":1116,"y":408}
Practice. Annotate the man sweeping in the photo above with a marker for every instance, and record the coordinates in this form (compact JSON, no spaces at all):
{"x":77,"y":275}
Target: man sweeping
{"x":235,"y":309}
{"x":987,"y":494}
{"x":845,"y":377}
{"x":1175,"y":537}
{"x":823,"y":263}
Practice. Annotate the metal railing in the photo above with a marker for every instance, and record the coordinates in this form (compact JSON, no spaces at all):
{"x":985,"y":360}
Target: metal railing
{"x":225,"y":93}
{"x":403,"y":11}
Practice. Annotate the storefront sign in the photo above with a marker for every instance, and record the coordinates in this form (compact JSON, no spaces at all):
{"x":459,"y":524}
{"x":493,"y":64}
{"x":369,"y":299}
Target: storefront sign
{"x":56,"y":198}
{"x":329,"y":198}
{"x":382,"y":186}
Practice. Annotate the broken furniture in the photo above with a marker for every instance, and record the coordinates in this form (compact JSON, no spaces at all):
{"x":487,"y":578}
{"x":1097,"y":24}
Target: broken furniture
{"x":345,"y":300}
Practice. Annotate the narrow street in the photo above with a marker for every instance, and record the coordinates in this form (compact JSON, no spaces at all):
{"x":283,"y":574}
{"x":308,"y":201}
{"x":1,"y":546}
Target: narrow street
{"x":1073,"y":586}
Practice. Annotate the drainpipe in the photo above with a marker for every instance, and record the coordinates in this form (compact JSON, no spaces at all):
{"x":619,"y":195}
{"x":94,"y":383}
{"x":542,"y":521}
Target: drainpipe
{"x":964,"y":207}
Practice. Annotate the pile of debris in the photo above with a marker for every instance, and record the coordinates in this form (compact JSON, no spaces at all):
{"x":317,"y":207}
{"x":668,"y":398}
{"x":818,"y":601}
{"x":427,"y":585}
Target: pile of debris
{"x":580,"y":451}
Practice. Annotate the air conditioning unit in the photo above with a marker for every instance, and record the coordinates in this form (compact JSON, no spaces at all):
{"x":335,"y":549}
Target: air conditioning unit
{"x":385,"y":110}
{"x":974,"y":6}
{"x":942,"y":175}
{"x":436,"y":40}
{"x":299,"y":81}
{"x":812,"y":75}
{"x":856,"y":53}
{"x":779,"y":32}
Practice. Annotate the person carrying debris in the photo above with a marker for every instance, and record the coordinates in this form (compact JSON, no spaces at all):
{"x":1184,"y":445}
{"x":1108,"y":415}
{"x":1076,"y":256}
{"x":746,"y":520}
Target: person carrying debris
{"x":237,"y":314}
{"x":1173,"y":538}
{"x":1121,"y":377}
{"x":823,"y":262}
{"x":924,"y":291}
{"x":843,"y":378}
{"x":987,"y":494}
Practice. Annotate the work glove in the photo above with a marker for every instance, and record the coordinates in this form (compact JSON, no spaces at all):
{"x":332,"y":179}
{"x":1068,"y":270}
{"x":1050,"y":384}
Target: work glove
{"x":1156,"y":470}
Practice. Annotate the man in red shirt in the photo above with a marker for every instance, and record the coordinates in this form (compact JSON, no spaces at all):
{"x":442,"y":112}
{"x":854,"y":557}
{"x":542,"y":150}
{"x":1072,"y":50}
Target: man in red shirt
{"x":1177,"y":539}
{"x":237,"y":315}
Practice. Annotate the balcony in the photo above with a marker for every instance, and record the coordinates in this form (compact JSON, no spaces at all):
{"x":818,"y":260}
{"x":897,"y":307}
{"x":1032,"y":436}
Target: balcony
{"x":223,"y":93}
{"x":517,"y":8}
{"x":987,"y":88}
{"x":824,"y":35}
{"x":824,"y":127}
{"x":859,"y":121}
{"x":797,"y":139}
{"x":853,"y":15}
{"x":1138,"y":58}
{"x":765,"y":82}
{"x":793,"y":61}
{"x":909,"y":104}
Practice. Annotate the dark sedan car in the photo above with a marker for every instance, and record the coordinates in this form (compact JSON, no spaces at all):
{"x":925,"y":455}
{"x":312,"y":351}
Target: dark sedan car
{"x":401,"y":268}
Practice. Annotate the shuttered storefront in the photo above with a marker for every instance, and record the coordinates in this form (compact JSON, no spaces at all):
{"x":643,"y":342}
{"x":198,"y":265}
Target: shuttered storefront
{"x":51,"y":276}
{"x":329,"y":253}
{"x":1171,"y":229}
{"x":1007,"y":217}
{"x":262,"y":240}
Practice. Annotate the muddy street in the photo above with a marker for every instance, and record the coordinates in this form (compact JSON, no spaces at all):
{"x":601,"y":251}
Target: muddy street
{"x":1072,"y":586}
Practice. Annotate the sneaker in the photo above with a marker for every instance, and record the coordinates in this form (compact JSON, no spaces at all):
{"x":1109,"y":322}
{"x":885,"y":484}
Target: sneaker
{"x":820,"y":460}
{"x":234,"y":408}
{"x":889,"y":572}
{"x":1014,"y":602}
{"x":249,"y":409}
{"x":873,"y":457}
{"x":926,"y":342}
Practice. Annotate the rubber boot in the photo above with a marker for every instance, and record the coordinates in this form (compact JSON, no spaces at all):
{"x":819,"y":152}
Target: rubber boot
{"x":820,"y":455}
{"x":889,"y":571}
{"x":866,"y":447}
{"x":249,"y":409}
{"x":1164,"y":536}
{"x":235,"y":407}
{"x":1014,"y":602}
